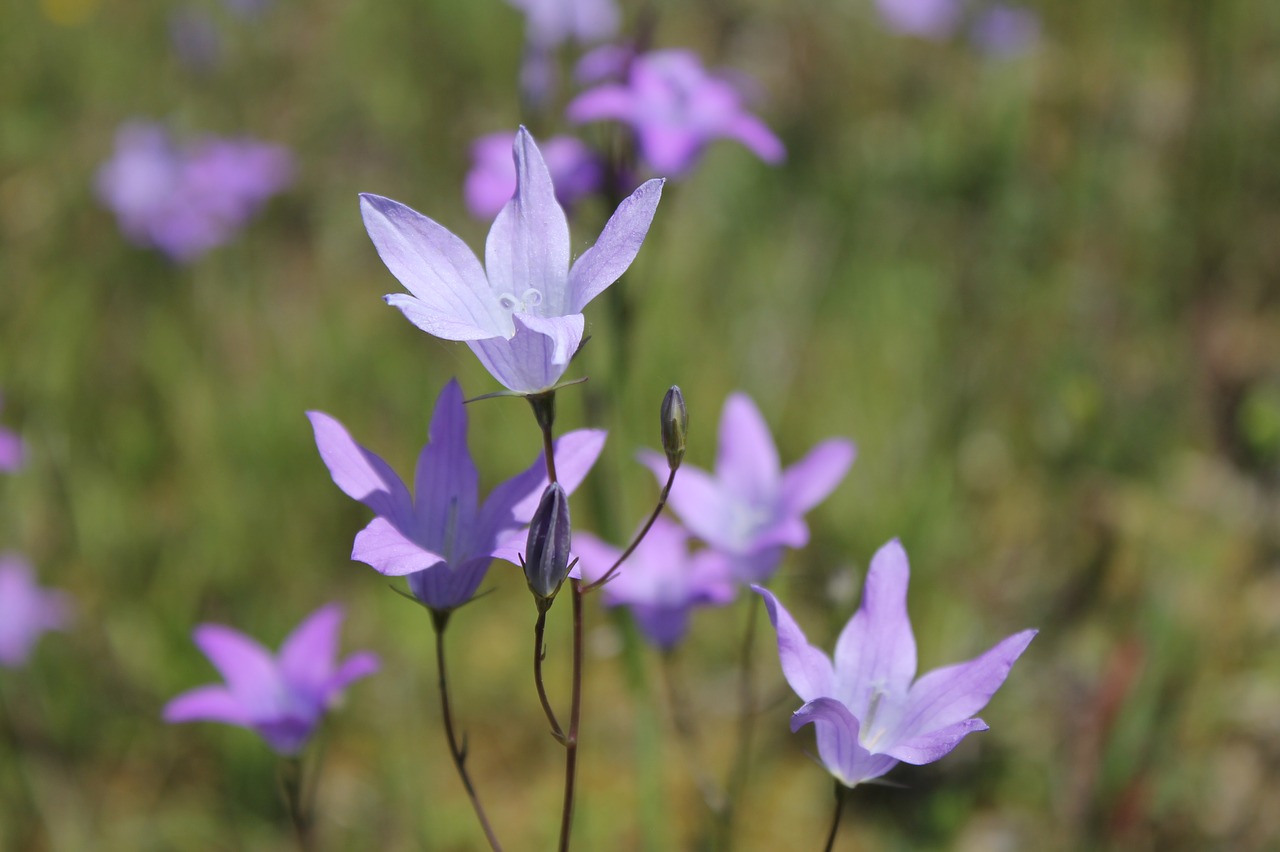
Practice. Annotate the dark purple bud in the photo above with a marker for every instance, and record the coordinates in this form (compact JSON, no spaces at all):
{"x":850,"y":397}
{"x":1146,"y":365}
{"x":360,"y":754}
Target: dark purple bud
{"x":675,"y":426}
{"x":546,"y":558}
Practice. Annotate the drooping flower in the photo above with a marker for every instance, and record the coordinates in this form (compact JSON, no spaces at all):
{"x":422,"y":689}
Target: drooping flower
{"x":751,"y":509}
{"x":931,"y":19}
{"x":1006,"y":31}
{"x":281,"y":697}
{"x":575,"y":170}
{"x":676,"y":108}
{"x":522,"y":312}
{"x":26,"y":610}
{"x":185,"y":200}
{"x":442,"y":537}
{"x":550,"y":23}
{"x":13,"y":451}
{"x":660,"y":583}
{"x":866,"y":710}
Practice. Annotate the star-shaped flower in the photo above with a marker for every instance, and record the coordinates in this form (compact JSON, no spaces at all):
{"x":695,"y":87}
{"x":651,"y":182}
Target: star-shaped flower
{"x":676,"y":108}
{"x":867,"y":712}
{"x":26,"y":610}
{"x":443,"y":538}
{"x":282,"y":697}
{"x":660,"y":583}
{"x":751,"y":508}
{"x":522,"y":312}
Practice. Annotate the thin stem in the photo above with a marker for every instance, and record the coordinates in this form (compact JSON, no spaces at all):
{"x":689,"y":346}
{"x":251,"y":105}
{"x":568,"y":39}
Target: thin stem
{"x":539,"y":654}
{"x":841,"y":793}
{"x":575,"y":715}
{"x":459,"y":754}
{"x":687,"y":732}
{"x":644,"y":531}
{"x":737,"y":781}
{"x":544,"y":411}
{"x":292,"y":783}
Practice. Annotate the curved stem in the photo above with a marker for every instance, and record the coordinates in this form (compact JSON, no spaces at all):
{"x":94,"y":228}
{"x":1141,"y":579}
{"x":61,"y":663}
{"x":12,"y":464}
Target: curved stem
{"x":575,"y":715}
{"x":644,"y":531}
{"x":459,"y":754}
{"x":539,"y":654}
{"x":841,"y":792}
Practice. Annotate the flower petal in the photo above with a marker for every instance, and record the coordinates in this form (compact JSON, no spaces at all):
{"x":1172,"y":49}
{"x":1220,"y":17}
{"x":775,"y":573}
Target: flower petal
{"x":308,"y":654}
{"x":619,"y":242}
{"x":213,"y":703}
{"x":935,"y":745}
{"x":698,"y":499}
{"x":747,"y":461}
{"x":876,"y":651}
{"x":808,"y":482}
{"x":358,"y":665}
{"x":528,"y":244}
{"x":386,"y":550}
{"x":838,"y":746}
{"x":527,"y":363}
{"x":758,"y":138}
{"x":361,"y":474}
{"x":806,"y":668}
{"x":445,"y":587}
{"x":452,"y":298}
{"x":602,"y":102}
{"x":248,"y":668}
{"x":446,"y":481}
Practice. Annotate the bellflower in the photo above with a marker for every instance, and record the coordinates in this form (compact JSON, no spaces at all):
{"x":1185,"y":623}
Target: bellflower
{"x":26,"y":610}
{"x":522,"y":312}
{"x":751,"y":509}
{"x":1006,"y":31}
{"x":659,"y":582}
{"x":676,"y":107}
{"x":575,"y":171}
{"x":867,"y":711}
{"x":185,"y":200}
{"x":550,"y":23}
{"x":12,"y":450}
{"x":281,"y":697}
{"x":931,"y":19}
{"x":442,"y":537}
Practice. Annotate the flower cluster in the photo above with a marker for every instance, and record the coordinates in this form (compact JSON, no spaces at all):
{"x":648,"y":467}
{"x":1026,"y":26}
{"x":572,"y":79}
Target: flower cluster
{"x":997,"y":29}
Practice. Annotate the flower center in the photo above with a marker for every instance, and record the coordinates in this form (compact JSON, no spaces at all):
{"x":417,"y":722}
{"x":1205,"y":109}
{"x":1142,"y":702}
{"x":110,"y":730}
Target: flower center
{"x":525,"y":304}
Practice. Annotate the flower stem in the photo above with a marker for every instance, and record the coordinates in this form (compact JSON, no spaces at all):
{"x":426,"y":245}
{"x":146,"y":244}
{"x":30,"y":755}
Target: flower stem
{"x":297,"y":802}
{"x":575,"y":715}
{"x":737,"y":781}
{"x":644,"y":531}
{"x":459,"y":754}
{"x":841,"y":793}
{"x":539,"y":654}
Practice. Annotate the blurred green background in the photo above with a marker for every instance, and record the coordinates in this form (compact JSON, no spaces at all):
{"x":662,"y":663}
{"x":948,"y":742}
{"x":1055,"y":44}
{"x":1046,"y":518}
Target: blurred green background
{"x":1040,"y":293}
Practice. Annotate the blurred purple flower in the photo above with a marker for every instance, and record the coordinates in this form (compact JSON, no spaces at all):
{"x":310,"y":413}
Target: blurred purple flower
{"x":575,"y":170}
{"x":26,"y":610}
{"x":195,"y":38}
{"x":867,"y":713}
{"x":1006,"y":31}
{"x":522,"y":312}
{"x":606,"y":62}
{"x":13,"y":452}
{"x":247,"y":8}
{"x":550,"y":23}
{"x":676,"y":108}
{"x":281,"y":697}
{"x":443,"y":539}
{"x":185,"y":201}
{"x":751,"y":509}
{"x":660,"y":583}
{"x":932,"y":19}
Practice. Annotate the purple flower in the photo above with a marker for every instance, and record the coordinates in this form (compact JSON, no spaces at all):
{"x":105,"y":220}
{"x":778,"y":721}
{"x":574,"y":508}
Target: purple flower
{"x":932,"y":19}
{"x":13,"y":451}
{"x":553,"y":22}
{"x":195,"y":38}
{"x":522,"y":312}
{"x":187,"y":200}
{"x":281,"y":697}
{"x":443,"y":539}
{"x":676,"y":108}
{"x":659,"y":582}
{"x":1006,"y":31}
{"x":26,"y":610}
{"x":751,"y":508}
{"x":575,"y":170}
{"x":867,"y":712}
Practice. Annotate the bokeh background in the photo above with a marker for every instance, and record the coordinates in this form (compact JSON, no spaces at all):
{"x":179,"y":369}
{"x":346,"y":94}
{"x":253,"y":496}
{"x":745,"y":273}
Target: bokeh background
{"x":1040,"y":291}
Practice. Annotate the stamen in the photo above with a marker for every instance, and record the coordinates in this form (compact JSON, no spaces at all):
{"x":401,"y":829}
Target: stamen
{"x":508,"y":302}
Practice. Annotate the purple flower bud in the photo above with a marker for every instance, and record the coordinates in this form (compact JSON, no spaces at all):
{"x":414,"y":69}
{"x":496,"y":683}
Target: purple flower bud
{"x":546,"y":558}
{"x":675,"y":426}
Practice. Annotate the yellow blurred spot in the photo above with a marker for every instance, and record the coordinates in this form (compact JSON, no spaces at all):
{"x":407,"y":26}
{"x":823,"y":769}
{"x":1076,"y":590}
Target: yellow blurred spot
{"x":68,"y":13}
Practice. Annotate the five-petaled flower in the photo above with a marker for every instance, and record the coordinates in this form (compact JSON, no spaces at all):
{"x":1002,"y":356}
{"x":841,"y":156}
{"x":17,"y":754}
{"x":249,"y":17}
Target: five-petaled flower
{"x":867,"y":712}
{"x":660,"y":583}
{"x":442,"y":537}
{"x":751,"y":509}
{"x":282,"y":697}
{"x":676,"y":107}
{"x":26,"y":610}
{"x":522,"y":312}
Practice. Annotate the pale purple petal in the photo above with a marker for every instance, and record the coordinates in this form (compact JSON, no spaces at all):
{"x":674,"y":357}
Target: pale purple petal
{"x":926,"y":748}
{"x":11,"y":451}
{"x":805,"y":667}
{"x":286,"y":733}
{"x":575,"y":170}
{"x":754,"y":566}
{"x":451,"y":296}
{"x":949,"y":695}
{"x":361,"y":474}
{"x":445,"y":587}
{"x":807,"y":483}
{"x":933,"y":19}
{"x":838,"y":746}
{"x":528,"y":245}
{"x":308,"y":654}
{"x":358,"y":665}
{"x":248,"y":668}
{"x":595,"y":557}
{"x":669,"y":149}
{"x":513,"y":503}
{"x":605,"y":102}
{"x":565,"y":331}
{"x":698,"y":499}
{"x":663,"y":626}
{"x":526,"y":363}
{"x":747,"y":460}
{"x":619,"y":242}
{"x":756,"y":135}
{"x":446,"y":482}
{"x":876,"y":652}
{"x":384,"y":548}
{"x":213,"y":703}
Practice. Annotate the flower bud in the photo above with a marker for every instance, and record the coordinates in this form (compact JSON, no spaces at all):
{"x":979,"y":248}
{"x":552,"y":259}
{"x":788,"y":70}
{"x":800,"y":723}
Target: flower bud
{"x":546,"y":558}
{"x":675,"y":426}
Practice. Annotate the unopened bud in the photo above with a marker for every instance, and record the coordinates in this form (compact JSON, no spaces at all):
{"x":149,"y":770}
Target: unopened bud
{"x":546,"y":558}
{"x":675,"y":426}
